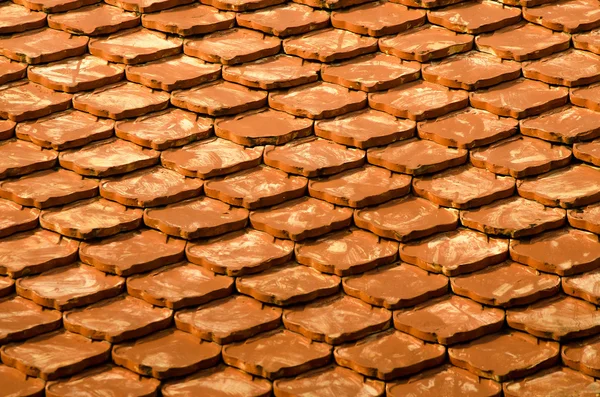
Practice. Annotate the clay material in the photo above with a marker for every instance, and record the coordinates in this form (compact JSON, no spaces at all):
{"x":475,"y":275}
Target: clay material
{"x":22,"y":100}
{"x":475,"y":17}
{"x":377,"y":19}
{"x":566,"y":124}
{"x":570,"y":16}
{"x":42,"y":46}
{"x":553,"y":382}
{"x":583,"y":355}
{"x":23,"y":319}
{"x":95,"y":20}
{"x":583,"y":286}
{"x":588,"y":152}
{"x":19,"y":19}
{"x":16,"y":382}
{"x":328,"y":45}
{"x":285,"y":19}
{"x":587,"y":218}
{"x":189,"y":20}
{"x":569,"y":68}
{"x":11,"y":70}
{"x":16,"y":218}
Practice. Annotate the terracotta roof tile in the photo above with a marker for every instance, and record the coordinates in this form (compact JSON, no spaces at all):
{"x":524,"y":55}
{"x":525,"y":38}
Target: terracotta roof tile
{"x":42,"y":45}
{"x":87,"y":219}
{"x":263,"y":127}
{"x":241,"y":5}
{"x":81,"y":285}
{"x":587,"y":41}
{"x":427,"y":3}
{"x":569,"y":68}
{"x":228,"y":320}
{"x":189,"y":20}
{"x":15,"y":18}
{"x":241,"y":252}
{"x":7,"y":128}
{"x":117,"y":319}
{"x":52,"y":6}
{"x":11,"y":70}
{"x":16,"y":381}
{"x":566,"y":124}
{"x":7,"y":286}
{"x":377,"y":19}
{"x":33,"y":320}
{"x":586,"y":96}
{"x":582,"y":355}
{"x":21,"y":158}
{"x":329,"y":45}
{"x":165,"y":129}
{"x":585,"y":218}
{"x":379,"y":286}
{"x":557,"y":380}
{"x":288,"y":284}
{"x":256,"y":188}
{"x":54,"y":355}
{"x":220,"y":379}
{"x":365,"y":128}
{"x":284,"y":20}
{"x":197,"y":217}
{"x":475,"y":17}
{"x":271,"y":361}
{"x":95,"y":20}
{"x":22,"y":100}
{"x":103,"y":379}
{"x":534,"y":354}
{"x":16,"y":218}
{"x":179,"y":285}
{"x":390,"y":354}
{"x":134,"y":252}
{"x":559,"y":318}
{"x":588,"y":152}
{"x":145,"y":6}
{"x":583,"y":286}
{"x":507,"y":284}
{"x":425,"y":43}
{"x":166,"y":354}
{"x":570,"y":16}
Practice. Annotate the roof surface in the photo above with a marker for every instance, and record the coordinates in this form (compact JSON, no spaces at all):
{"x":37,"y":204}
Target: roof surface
{"x":312,"y":198}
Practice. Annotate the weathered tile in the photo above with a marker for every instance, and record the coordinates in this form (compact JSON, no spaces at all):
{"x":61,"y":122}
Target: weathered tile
{"x":328,"y":45}
{"x":569,"y":16}
{"x":377,"y":19}
{"x":475,"y":17}
{"x":284,"y":20}
{"x":23,"y":319}
{"x":95,"y":20}
{"x":189,"y":20}
{"x":42,"y":45}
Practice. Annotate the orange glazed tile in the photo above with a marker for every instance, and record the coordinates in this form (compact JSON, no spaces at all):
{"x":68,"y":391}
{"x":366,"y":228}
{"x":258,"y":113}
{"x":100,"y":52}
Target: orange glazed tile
{"x":519,"y":98}
{"x":48,"y":188}
{"x":515,"y":355}
{"x":390,"y":354}
{"x":567,"y":124}
{"x":7,"y":128}
{"x":16,"y":382}
{"x":42,"y":45}
{"x":406,"y":218}
{"x":360,"y":187}
{"x":11,"y":70}
{"x":21,"y":158}
{"x":147,"y":6}
{"x":54,"y":355}
{"x":15,"y":18}
{"x":263,"y":127}
{"x":7,"y":286}
{"x":522,"y":42}
{"x":135,"y":46}
{"x":365,"y":128}
{"x":318,"y":100}
{"x":564,"y":251}
{"x":567,"y":187}
{"x":449,"y":319}
{"x":179,"y":285}
{"x":336,"y":319}
{"x":582,"y":356}
{"x":558,"y":380}
{"x":569,"y":68}
{"x":23,"y":319}
{"x":166,"y":354}
{"x":241,"y":252}
{"x":587,"y":218}
{"x":507,"y":284}
{"x":300,"y":219}
{"x":588,"y":152}
{"x":284,"y":20}
{"x":34,"y":252}
{"x":232,"y":46}
{"x":471,"y":71}
{"x":195,"y":218}
{"x":92,"y":218}
{"x":256,"y":188}
{"x":446,"y":381}
{"x":173,"y":73}
{"x":16,"y":218}
{"x":165,"y":129}
{"x":467,"y":128}
{"x":103,"y":379}
{"x":425,"y":43}
{"x":94,"y":20}
{"x":586,"y":96}
{"x":347,"y":252}
{"x":189,"y":20}
{"x":372,"y":72}
{"x":331,"y":379}
{"x":221,"y":379}
{"x":475,"y":17}
{"x":589,"y":41}
{"x":416,"y":156}
{"x":288,"y":284}
{"x":65,"y":130}
{"x":513,"y":217}
{"x":419,"y":100}
{"x":81,"y":285}
{"x":279,"y":71}
{"x":52,"y":6}
{"x":329,"y":45}
{"x":219,"y":98}
{"x":134,"y":252}
{"x":22,"y":100}
{"x":241,"y":5}
{"x":457,"y":252}
{"x":211,"y":157}
{"x":121,"y":100}
{"x":570,"y":16}
{"x":330,"y":4}
{"x":228,"y":320}
{"x":118,"y":319}
{"x":263,"y":355}
{"x":377,"y":19}
{"x":313,"y":156}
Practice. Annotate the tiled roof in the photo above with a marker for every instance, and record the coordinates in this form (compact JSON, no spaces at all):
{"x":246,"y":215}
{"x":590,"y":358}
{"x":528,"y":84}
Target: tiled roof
{"x":317,"y":198}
